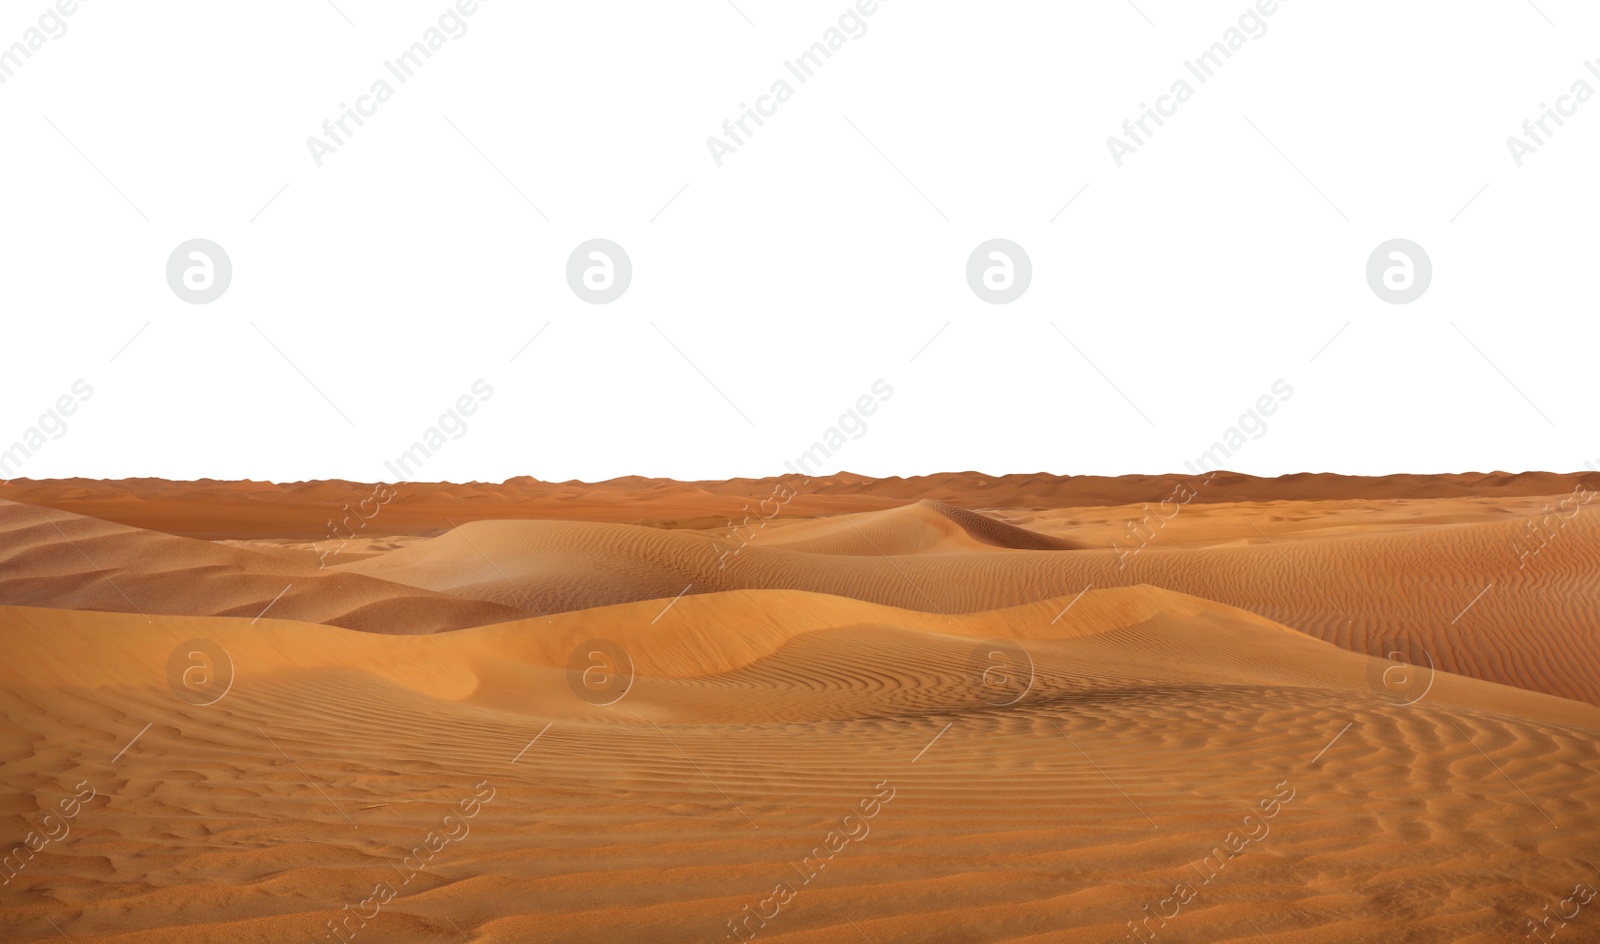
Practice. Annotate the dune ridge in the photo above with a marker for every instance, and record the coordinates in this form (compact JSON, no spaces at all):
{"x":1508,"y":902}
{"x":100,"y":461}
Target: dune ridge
{"x":1461,"y":594}
{"x":52,"y":558}
{"x":309,"y":511}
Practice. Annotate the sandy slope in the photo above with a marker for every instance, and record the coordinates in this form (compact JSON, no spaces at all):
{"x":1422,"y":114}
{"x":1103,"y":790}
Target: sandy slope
{"x":927,"y":527}
{"x":1457,"y":594}
{"x":1155,"y":724}
{"x":52,"y":558}
{"x":1440,"y":580}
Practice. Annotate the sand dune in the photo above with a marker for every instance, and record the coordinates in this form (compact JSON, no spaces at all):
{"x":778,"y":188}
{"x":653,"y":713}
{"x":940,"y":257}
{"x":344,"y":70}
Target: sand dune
{"x":554,"y":566}
{"x":302,"y":511}
{"x":51,"y":558}
{"x":906,"y":710}
{"x":1458,"y":594}
{"x":925,"y":527}
{"x":1158,"y":731}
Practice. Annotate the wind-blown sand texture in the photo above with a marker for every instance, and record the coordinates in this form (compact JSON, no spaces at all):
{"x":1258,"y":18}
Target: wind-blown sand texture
{"x":941,"y":709}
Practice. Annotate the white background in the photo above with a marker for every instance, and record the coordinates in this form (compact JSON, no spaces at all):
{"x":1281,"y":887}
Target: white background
{"x":807,"y":266}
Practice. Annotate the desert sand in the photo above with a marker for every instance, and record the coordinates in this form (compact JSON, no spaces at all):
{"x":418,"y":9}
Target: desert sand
{"x":1311,"y":709}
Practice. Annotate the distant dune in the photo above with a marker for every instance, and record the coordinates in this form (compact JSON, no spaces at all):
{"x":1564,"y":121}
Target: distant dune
{"x":1369,"y":592}
{"x":54,"y":559}
{"x":302,"y":510}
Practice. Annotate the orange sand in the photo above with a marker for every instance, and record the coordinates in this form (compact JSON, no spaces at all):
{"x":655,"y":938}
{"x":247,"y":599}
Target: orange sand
{"x":816,"y":705}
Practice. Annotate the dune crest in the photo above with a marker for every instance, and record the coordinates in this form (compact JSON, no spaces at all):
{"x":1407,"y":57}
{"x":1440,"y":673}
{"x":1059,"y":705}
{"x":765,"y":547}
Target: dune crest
{"x":55,"y":559}
{"x":1463,"y":594}
{"x":927,"y":526}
